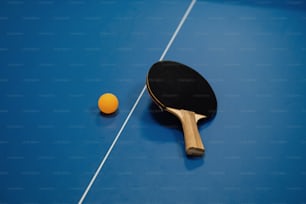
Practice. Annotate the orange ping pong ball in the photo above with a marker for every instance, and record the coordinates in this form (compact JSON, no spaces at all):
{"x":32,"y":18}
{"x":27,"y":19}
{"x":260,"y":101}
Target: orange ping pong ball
{"x":108,"y":103}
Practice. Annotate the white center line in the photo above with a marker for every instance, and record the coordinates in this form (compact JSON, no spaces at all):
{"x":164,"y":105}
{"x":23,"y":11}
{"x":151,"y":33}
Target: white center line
{"x":135,"y":105}
{"x":178,"y":29}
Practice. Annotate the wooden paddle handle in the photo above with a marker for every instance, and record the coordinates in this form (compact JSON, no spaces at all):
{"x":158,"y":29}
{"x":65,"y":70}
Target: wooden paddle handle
{"x":193,"y":141}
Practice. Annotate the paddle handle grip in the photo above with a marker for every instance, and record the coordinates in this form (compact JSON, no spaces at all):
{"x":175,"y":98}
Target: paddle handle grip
{"x":193,"y":142}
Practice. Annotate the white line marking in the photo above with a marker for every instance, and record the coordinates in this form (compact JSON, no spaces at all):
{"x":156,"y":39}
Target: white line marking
{"x":178,"y":29}
{"x":135,"y":105}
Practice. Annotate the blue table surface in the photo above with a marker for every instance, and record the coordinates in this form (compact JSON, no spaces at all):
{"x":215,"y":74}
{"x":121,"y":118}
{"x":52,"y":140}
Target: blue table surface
{"x":58,"y":57}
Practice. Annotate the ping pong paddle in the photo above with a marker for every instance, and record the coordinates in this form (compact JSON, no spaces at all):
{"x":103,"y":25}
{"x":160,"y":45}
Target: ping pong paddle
{"x":183,"y":92}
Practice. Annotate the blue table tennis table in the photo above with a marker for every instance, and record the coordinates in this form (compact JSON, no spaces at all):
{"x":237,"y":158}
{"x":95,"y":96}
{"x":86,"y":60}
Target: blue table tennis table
{"x":58,"y":57}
